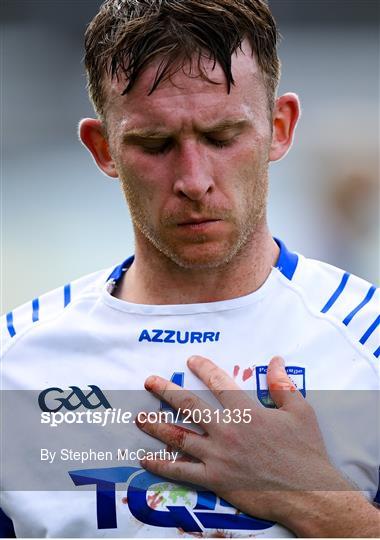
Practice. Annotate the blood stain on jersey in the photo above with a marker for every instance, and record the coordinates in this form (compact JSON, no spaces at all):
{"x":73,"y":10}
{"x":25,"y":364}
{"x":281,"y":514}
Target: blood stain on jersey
{"x":247,"y":374}
{"x":236,"y":371}
{"x":124,"y":500}
{"x":164,"y":493}
{"x":154,"y":500}
{"x":218,"y":533}
{"x":193,"y":534}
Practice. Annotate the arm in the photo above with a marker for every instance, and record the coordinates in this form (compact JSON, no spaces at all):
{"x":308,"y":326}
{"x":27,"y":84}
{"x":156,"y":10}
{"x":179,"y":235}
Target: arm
{"x":332,"y":514}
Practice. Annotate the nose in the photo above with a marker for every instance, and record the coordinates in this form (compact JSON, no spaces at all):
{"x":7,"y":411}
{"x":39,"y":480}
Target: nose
{"x":193,"y":178}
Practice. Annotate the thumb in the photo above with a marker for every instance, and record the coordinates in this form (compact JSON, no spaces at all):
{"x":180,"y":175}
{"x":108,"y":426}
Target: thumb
{"x":281,"y":388}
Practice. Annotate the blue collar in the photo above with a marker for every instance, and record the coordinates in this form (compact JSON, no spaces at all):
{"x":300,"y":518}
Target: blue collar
{"x":286,"y":263}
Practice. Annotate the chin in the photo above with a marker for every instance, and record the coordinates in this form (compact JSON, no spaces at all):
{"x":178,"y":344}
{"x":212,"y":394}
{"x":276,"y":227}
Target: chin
{"x":202,"y":254}
{"x":201,"y":258}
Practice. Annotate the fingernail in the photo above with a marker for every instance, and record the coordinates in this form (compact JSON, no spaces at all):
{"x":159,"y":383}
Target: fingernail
{"x":150,"y":382}
{"x":191,"y":361}
{"x":277,"y":362}
{"x":140,"y":422}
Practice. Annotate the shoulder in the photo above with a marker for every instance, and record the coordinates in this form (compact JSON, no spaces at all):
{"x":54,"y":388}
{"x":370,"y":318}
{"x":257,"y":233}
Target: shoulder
{"x":348,"y":301}
{"x":23,"y":319}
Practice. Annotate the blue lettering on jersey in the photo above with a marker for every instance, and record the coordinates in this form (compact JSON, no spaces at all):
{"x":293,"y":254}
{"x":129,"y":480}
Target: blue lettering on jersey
{"x":177,"y":336}
{"x":208,"y":508}
{"x":295,"y":373}
{"x":178,"y":378}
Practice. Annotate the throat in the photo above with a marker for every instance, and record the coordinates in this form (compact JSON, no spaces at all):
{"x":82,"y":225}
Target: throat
{"x":160,"y":284}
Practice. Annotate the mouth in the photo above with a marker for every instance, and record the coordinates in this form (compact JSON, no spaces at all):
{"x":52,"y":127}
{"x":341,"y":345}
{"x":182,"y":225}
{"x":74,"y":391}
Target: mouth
{"x":199,"y":225}
{"x":197,"y":221}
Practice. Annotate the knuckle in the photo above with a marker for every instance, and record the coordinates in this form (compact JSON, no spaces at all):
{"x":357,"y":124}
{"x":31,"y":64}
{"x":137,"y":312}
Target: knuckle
{"x":165,"y":390}
{"x":176,"y":471}
{"x":215,"y":381}
{"x":179,"y":439}
{"x":188,"y":403}
{"x":232,"y":438}
{"x":305,"y":411}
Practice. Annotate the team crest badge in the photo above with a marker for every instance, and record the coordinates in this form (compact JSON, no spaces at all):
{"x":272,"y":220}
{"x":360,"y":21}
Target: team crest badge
{"x":295,"y":373}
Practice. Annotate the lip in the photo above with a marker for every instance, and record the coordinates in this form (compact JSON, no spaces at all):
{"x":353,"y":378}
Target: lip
{"x":197,"y":221}
{"x":200,"y":226}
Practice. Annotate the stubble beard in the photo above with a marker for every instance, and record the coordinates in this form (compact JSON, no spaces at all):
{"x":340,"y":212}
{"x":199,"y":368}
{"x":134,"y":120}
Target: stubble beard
{"x":246,"y":227}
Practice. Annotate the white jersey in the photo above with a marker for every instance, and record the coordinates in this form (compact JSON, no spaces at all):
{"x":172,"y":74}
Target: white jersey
{"x":79,"y":345}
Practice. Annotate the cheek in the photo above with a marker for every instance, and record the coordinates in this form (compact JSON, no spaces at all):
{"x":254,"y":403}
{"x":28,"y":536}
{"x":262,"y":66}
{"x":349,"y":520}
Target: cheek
{"x":246,"y":171}
{"x":142,"y":186}
{"x":251,"y":185}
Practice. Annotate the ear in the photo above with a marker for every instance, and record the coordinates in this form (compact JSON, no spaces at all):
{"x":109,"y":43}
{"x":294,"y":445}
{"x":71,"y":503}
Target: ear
{"x":285,"y":117}
{"x":92,"y":135}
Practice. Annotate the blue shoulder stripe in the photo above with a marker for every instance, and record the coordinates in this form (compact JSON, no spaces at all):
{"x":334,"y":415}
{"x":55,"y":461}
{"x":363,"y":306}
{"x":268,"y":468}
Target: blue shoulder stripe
{"x":377,"y":352}
{"x":365,"y":301}
{"x":370,"y":330}
{"x":66,"y":295}
{"x":36,"y":309}
{"x":11,"y":328}
{"x":331,"y":301}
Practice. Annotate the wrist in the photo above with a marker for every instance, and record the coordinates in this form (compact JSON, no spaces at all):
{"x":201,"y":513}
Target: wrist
{"x":332,"y":514}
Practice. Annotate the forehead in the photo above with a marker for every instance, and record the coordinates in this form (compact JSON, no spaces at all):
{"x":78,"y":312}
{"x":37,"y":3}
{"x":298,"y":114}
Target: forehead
{"x":187,"y":98}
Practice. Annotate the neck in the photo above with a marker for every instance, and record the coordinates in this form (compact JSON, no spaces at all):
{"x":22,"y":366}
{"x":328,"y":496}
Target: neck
{"x":155,"y":279}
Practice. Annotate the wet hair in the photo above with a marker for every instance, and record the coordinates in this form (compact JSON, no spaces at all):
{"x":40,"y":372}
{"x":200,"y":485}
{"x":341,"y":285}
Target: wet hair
{"x":126,"y":35}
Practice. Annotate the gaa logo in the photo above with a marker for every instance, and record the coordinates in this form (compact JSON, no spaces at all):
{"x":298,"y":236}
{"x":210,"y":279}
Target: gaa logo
{"x":92,"y":400}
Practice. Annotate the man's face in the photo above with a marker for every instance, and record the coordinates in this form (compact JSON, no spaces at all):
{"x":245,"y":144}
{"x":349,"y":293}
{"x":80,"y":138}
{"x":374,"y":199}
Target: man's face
{"x":193,"y":160}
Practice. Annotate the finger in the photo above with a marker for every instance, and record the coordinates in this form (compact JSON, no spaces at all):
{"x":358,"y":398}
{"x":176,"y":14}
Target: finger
{"x":182,"y":400}
{"x":282,"y":389}
{"x":183,"y":457}
{"x":224,"y":388}
{"x":187,"y":459}
{"x":184,"y":471}
{"x":177,"y":437}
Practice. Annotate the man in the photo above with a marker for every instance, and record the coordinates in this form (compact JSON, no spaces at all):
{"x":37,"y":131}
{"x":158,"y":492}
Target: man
{"x":188,"y":120}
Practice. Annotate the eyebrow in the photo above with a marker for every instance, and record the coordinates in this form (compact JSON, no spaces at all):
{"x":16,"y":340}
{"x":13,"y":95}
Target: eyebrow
{"x":226,"y":124}
{"x":144,"y":134}
{"x":156,"y":133}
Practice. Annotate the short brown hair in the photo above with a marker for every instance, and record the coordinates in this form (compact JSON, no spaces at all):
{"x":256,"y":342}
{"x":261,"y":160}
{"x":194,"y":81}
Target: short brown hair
{"x":128,"y":34}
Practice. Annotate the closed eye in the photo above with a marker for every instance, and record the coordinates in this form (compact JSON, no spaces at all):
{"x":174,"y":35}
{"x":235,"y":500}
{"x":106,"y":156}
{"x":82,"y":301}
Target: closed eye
{"x":220,"y":143}
{"x":156,"y":147}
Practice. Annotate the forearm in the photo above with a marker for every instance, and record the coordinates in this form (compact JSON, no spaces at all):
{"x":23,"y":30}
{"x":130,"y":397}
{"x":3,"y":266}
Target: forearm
{"x":333,"y":514}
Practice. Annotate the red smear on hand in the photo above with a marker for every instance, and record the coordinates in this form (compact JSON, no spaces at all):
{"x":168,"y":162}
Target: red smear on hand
{"x":282,"y":386}
{"x":236,"y":371}
{"x":247,"y":374}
